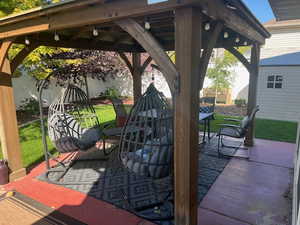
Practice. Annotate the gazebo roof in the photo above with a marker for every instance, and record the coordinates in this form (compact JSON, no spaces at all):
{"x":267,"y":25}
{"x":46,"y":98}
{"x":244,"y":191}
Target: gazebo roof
{"x":74,"y":21}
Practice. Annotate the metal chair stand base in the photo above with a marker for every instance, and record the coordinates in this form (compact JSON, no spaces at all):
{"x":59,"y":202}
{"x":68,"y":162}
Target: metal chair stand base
{"x":67,"y":164}
{"x":221,"y":144}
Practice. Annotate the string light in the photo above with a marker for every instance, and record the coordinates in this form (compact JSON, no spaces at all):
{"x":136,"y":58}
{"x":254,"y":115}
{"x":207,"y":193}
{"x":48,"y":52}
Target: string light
{"x":237,"y":40}
{"x":207,"y":26}
{"x":226,"y":35}
{"x":27,"y":42}
{"x":56,"y":37}
{"x":147,"y":25}
{"x":95,"y":32}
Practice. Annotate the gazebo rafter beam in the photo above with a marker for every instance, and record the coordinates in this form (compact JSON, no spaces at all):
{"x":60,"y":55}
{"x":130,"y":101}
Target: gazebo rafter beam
{"x":82,"y":44}
{"x":155,"y":50}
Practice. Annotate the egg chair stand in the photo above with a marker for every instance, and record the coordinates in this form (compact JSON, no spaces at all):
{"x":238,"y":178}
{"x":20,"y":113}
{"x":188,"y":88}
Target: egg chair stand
{"x":147,"y":150}
{"x":72,"y":126}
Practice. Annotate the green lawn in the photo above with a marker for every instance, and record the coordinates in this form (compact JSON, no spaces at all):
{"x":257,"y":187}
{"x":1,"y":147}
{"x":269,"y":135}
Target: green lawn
{"x":265,"y":129}
{"x":31,"y":140}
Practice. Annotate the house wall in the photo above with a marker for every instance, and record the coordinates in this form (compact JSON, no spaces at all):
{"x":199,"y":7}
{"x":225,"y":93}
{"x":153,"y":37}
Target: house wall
{"x":25,"y":87}
{"x":279,"y":104}
{"x":283,"y":38}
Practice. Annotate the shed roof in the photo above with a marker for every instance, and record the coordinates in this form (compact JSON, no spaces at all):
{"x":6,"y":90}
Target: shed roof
{"x":74,"y":21}
{"x":290,"y":59}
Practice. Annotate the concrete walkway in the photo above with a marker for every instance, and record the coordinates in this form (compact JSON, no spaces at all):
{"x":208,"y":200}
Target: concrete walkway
{"x":252,"y":191}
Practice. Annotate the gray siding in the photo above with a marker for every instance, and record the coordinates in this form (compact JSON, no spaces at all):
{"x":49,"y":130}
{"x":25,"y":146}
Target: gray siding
{"x":279,"y":104}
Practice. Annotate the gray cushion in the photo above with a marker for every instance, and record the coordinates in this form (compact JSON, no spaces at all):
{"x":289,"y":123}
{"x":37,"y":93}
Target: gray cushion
{"x":135,"y":164}
{"x":89,"y":138}
{"x":63,"y":125}
{"x":66,"y":144}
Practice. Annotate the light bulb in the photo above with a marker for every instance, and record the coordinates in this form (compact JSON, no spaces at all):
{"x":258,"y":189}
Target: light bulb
{"x":147,"y":25}
{"x":56,"y":37}
{"x":27,"y":42}
{"x":95,"y":32}
{"x":237,"y":40}
{"x":226,"y":35}
{"x":207,"y":26}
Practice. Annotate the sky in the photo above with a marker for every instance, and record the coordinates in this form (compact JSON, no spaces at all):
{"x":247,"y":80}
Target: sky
{"x":261,"y":9}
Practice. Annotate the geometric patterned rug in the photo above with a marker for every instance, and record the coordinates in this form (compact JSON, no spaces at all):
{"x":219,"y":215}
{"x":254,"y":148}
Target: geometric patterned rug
{"x":106,"y":181}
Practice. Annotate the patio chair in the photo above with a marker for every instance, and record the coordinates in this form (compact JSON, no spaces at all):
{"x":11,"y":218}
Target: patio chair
{"x":72,"y":126}
{"x":235,"y":131}
{"x":207,"y":104}
{"x":148,"y":150}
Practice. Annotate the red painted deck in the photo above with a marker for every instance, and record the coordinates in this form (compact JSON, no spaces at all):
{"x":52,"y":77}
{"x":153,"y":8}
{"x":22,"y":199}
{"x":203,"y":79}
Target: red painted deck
{"x":247,"y":192}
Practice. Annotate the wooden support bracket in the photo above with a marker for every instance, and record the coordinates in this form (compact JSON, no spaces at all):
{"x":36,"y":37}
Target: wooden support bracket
{"x":18,"y":59}
{"x":208,"y":51}
{"x":152,"y":46}
{"x":240,"y":57}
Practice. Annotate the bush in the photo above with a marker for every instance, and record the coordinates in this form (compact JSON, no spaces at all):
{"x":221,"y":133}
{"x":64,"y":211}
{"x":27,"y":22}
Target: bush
{"x":240,"y":102}
{"x":110,"y":92}
{"x":30,"y":105}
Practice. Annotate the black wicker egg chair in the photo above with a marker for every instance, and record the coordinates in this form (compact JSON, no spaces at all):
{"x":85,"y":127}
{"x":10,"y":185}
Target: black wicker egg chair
{"x":72,"y":126}
{"x":146,"y":144}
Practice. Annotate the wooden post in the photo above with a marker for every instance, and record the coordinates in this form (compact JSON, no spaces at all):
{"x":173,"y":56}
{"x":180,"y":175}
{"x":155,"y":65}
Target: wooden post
{"x":255,"y":56}
{"x":136,"y":76}
{"x":187,"y":45}
{"x":9,"y":133}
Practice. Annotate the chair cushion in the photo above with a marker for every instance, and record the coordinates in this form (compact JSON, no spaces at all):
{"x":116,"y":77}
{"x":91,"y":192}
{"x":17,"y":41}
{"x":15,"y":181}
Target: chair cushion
{"x":66,"y":144}
{"x":153,"y":160}
{"x":89,"y":138}
{"x":63,"y":125}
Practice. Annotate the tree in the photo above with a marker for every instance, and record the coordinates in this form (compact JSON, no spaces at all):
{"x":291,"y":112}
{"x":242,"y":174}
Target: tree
{"x":220,"y":74}
{"x":76,"y":65}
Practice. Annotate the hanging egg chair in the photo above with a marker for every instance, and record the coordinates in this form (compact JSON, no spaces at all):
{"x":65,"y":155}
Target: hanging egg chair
{"x":72,"y":121}
{"x":146,"y":145}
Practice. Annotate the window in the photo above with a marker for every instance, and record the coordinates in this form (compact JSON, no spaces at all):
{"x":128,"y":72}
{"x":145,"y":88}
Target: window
{"x":274,"y":82}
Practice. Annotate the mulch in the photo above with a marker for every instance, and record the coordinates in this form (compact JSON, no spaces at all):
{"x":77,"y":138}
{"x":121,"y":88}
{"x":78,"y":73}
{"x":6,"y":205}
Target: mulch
{"x":231,"y":110}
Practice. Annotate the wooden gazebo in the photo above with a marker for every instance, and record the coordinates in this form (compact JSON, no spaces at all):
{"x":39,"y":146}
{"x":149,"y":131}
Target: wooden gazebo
{"x":193,"y":28}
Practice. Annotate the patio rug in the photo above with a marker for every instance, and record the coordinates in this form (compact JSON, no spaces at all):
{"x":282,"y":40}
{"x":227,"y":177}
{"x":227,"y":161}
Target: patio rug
{"x":98,"y":179}
{"x":18,"y":209}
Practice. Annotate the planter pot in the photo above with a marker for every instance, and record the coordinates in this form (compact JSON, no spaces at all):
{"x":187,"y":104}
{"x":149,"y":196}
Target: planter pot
{"x":3,"y":172}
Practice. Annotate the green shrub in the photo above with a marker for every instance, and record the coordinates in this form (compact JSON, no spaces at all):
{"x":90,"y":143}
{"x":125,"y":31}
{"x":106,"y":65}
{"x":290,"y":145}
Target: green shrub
{"x":112,"y":92}
{"x":30,"y":105}
{"x":240,"y":102}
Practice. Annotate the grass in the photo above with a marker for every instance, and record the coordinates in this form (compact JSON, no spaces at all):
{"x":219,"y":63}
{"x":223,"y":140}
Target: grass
{"x":32,"y":148}
{"x":265,"y":129}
